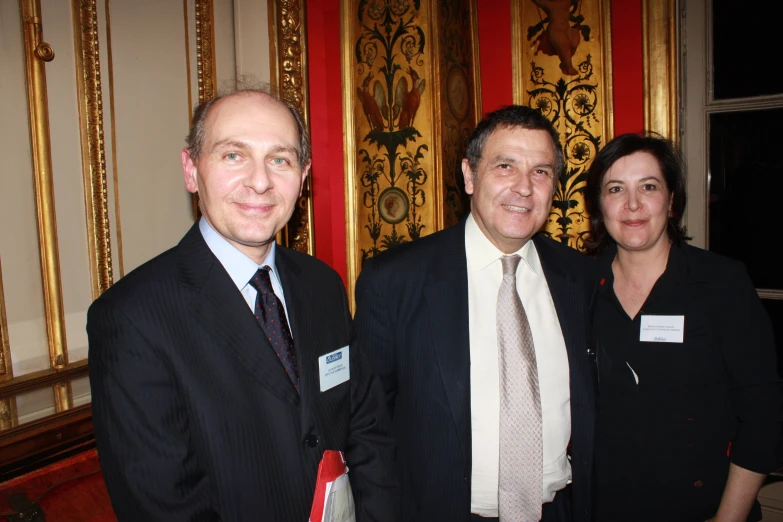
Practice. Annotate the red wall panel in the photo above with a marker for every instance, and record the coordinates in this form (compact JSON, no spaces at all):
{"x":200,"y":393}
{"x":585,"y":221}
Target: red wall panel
{"x":627,"y":66}
{"x":494,"y":29}
{"x":326,"y":124}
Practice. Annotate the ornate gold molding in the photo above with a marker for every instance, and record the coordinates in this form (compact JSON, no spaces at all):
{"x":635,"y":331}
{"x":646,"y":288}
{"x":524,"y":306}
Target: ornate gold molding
{"x":288,"y":58}
{"x":63,"y":396}
{"x":113,"y":126}
{"x":6,"y":370}
{"x":8,"y":416}
{"x":659,"y":62}
{"x":36,"y":53}
{"x":205,"y":50}
{"x":88,"y":84}
{"x":349,"y":148}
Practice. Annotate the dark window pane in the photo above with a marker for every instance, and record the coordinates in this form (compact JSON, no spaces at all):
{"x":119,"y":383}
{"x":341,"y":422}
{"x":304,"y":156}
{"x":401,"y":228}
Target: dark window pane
{"x":775,"y":311}
{"x":746,"y":170}
{"x":745,"y":41}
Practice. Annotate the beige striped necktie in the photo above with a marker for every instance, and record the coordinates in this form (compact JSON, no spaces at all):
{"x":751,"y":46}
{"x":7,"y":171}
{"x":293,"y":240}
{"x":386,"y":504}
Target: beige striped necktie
{"x":520,"y":480}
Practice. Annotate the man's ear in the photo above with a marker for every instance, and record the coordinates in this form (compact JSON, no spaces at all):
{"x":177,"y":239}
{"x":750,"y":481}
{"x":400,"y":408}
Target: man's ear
{"x":468,"y":176}
{"x":305,"y":172}
{"x":189,"y":170}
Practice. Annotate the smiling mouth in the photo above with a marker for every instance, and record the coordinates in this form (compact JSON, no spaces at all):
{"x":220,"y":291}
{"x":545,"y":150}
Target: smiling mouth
{"x":634,"y":223}
{"x":514,"y":208}
{"x":255,"y":207}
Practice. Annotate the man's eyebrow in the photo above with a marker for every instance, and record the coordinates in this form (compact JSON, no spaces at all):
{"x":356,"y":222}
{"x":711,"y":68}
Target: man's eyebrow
{"x":544,"y":166}
{"x":503,"y":159}
{"x":230,"y":143}
{"x":277,"y":149}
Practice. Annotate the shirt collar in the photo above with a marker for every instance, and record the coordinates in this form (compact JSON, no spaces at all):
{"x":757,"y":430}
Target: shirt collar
{"x":481,"y":252}
{"x":240,"y":268}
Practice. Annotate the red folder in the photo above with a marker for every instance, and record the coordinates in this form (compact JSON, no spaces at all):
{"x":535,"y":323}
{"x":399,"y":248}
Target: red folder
{"x":332,"y":501}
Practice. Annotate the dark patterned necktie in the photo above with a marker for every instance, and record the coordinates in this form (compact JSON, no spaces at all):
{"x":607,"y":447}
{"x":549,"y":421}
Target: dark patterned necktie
{"x":270,"y":314}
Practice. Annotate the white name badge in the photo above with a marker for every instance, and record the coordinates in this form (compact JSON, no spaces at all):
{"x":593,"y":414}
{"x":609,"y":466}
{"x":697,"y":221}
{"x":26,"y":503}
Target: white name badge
{"x":334,"y":368}
{"x":662,"y":328}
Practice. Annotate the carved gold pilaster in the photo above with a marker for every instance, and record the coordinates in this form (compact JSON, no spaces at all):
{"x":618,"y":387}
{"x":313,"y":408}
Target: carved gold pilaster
{"x":205,"y":50}
{"x":37,"y":52}
{"x":288,"y":58}
{"x":6,"y":370}
{"x":659,"y":62}
{"x":63,"y":396}
{"x":88,"y":84}
{"x":8,"y":416}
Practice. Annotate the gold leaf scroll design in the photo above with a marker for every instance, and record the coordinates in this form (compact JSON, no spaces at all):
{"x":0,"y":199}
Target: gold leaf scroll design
{"x":291,"y":74}
{"x":456,"y":25}
{"x":93,"y":152}
{"x":6,"y":371}
{"x":392,"y":182}
{"x":205,"y":51}
{"x":572,"y":89}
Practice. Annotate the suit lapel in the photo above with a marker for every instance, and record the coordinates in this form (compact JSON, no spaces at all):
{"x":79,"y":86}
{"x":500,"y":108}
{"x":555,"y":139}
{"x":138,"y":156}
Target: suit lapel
{"x":446,"y":294}
{"x":298,"y":302}
{"x":221,"y":310}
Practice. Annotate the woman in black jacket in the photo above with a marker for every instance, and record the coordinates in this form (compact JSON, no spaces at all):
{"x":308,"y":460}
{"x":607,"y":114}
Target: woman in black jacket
{"x":690,"y":402}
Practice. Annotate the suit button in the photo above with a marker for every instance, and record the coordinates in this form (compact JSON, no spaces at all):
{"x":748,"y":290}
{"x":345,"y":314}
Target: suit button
{"x":312,"y":441}
{"x":698,"y":484}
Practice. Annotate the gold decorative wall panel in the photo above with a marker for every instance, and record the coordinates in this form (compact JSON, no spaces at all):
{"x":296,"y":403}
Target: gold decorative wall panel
{"x":89,"y":87}
{"x":409,"y":102}
{"x":659,"y":62}
{"x":459,"y":101}
{"x":37,"y":53}
{"x":288,"y":58}
{"x":561,"y":51}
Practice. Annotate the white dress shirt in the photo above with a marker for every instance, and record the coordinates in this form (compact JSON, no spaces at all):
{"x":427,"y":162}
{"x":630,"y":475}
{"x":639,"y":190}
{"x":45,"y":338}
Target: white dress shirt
{"x":485,"y":274}
{"x":241,"y":268}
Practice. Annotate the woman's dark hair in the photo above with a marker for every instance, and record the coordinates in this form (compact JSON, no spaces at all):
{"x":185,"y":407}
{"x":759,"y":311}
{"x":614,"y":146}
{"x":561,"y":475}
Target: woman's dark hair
{"x":673,"y":171}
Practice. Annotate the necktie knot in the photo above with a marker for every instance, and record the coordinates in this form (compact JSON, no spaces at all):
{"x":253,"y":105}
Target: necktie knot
{"x":510,"y":264}
{"x":261,"y":281}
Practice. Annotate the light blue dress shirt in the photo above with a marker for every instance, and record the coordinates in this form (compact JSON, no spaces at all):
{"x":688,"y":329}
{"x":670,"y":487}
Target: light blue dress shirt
{"x":241,"y":268}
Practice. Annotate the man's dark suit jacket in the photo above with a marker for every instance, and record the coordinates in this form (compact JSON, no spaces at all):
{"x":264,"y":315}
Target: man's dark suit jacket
{"x":194,"y":415}
{"x":412,"y":321}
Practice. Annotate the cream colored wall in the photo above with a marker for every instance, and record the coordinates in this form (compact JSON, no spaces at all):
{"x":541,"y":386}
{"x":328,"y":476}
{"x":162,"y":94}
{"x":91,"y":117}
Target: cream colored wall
{"x":149,"y":84}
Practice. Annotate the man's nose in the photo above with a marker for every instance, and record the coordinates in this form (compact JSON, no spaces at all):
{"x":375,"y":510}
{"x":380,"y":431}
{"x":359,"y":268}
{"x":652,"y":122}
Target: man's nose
{"x":522,"y":184}
{"x":259,"y":179}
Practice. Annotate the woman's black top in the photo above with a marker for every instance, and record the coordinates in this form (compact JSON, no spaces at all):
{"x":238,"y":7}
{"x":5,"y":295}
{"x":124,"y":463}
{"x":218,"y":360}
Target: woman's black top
{"x":673,"y":415}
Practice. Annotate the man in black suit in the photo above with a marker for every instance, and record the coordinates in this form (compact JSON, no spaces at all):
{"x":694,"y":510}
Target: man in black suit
{"x":208,"y":364}
{"x":479,"y":334}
